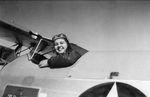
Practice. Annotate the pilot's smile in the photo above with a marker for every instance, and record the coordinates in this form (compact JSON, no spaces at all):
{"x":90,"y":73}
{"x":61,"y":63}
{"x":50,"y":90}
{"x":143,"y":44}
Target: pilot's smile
{"x":60,"y":45}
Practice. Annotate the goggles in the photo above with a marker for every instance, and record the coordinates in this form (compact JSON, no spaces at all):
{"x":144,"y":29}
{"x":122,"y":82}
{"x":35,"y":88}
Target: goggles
{"x":59,"y":36}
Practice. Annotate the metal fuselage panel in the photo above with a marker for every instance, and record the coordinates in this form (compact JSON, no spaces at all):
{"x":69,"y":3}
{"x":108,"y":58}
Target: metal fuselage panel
{"x":130,"y":65}
{"x":90,"y":70}
{"x":22,"y":72}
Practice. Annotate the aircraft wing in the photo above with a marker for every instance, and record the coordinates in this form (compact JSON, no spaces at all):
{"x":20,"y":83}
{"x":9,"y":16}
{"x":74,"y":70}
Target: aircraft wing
{"x":24,"y":37}
{"x":17,"y":34}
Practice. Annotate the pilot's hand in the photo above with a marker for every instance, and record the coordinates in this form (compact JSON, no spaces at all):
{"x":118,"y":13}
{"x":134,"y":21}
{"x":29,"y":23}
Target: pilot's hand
{"x":43,"y":63}
{"x":37,"y":58}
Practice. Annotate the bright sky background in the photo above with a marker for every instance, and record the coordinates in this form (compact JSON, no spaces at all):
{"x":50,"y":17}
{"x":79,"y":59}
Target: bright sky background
{"x":94,"y":25}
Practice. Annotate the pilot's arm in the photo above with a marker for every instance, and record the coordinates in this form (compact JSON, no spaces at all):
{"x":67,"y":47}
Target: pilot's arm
{"x":40,"y":60}
{"x":61,"y":61}
{"x":43,"y":63}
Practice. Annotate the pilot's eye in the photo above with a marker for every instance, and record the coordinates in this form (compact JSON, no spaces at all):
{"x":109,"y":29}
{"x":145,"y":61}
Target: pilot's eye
{"x":61,"y":42}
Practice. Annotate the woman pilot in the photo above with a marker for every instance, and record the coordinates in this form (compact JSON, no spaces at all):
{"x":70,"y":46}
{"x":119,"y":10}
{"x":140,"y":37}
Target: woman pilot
{"x":64,"y":56}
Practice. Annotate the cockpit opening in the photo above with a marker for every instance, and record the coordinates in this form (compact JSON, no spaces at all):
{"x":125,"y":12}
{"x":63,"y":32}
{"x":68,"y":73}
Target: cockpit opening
{"x":45,"y":50}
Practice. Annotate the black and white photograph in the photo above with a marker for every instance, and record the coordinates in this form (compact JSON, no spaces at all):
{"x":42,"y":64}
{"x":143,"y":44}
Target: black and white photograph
{"x":74,"y":48}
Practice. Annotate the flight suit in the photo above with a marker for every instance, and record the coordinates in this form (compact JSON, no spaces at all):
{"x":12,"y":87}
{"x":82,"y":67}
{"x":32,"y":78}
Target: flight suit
{"x":63,"y":60}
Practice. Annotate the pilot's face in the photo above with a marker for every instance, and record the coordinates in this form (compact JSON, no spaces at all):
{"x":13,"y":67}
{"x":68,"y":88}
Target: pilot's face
{"x":60,"y":45}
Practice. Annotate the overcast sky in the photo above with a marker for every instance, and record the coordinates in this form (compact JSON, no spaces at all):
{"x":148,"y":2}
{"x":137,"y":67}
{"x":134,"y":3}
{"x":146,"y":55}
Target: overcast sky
{"x":94,"y":25}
